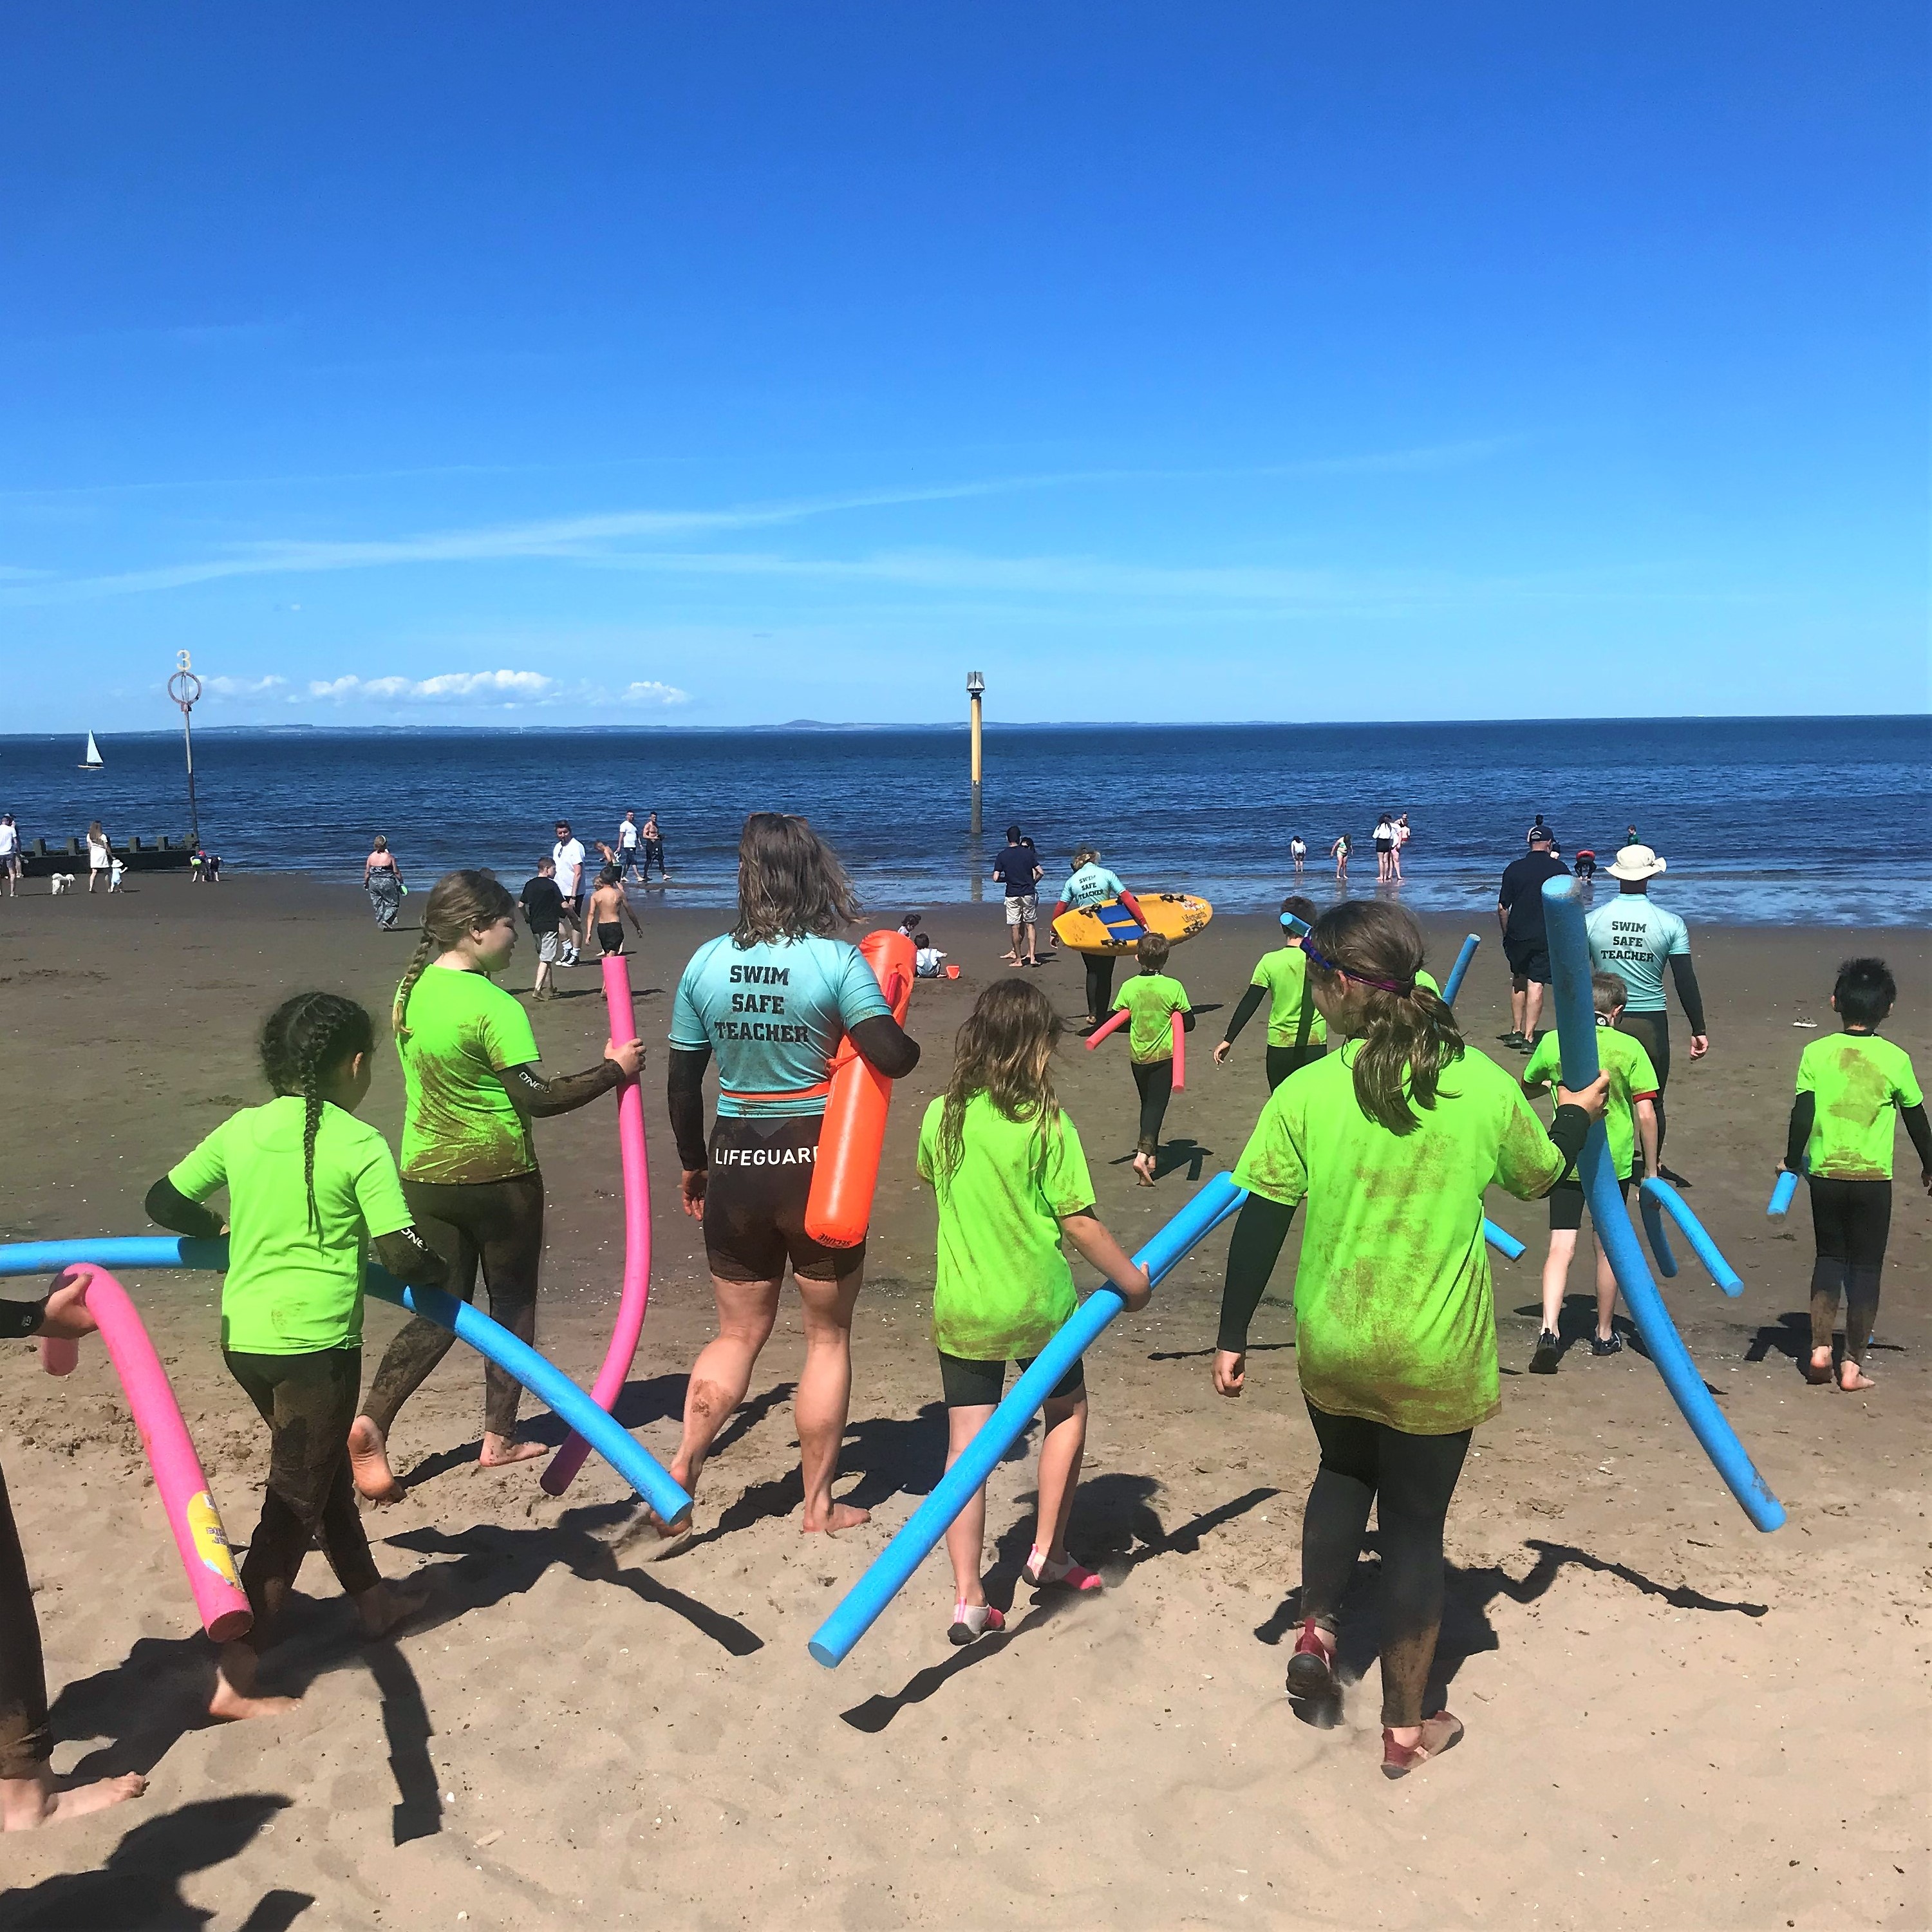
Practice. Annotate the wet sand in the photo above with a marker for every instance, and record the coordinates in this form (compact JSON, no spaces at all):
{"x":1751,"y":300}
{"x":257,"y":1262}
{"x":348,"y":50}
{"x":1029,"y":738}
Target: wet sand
{"x":1674,"y":1721}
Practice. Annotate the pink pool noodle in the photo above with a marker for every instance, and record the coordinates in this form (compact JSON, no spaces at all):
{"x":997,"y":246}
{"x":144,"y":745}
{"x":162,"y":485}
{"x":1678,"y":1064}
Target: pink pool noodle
{"x":1101,"y":1032}
{"x":636,"y":1295}
{"x":192,"y":1516}
{"x":1180,"y":1053}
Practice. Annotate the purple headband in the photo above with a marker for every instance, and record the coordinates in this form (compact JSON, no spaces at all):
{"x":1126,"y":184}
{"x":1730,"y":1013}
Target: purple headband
{"x":1399,"y":987}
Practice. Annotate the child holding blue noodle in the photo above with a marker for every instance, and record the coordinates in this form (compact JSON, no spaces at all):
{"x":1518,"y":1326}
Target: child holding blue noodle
{"x":1012,"y":1180}
{"x":1391,"y":1142}
{"x":1840,"y":1138}
{"x":1153,"y":998}
{"x":310,"y":1190}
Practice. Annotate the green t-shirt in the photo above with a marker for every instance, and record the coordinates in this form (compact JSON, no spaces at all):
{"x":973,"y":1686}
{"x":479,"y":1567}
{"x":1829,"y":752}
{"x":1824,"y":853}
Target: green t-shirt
{"x":1292,"y":1018}
{"x":294,"y":1285}
{"x":460,"y":1124}
{"x":1395,"y":1321}
{"x":1859,"y":1079}
{"x":1153,"y":999}
{"x":1632,"y":1078}
{"x":1004,"y":1287}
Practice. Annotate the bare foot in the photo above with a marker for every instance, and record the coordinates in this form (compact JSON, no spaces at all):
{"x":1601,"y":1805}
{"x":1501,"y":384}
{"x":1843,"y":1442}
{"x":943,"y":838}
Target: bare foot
{"x":234,"y":1700}
{"x":843,"y":1517}
{"x":28,"y":1803}
{"x":369,"y":1463}
{"x":500,"y":1451}
{"x":1144,"y":1169}
{"x":1852,"y":1378}
{"x":382,"y":1609}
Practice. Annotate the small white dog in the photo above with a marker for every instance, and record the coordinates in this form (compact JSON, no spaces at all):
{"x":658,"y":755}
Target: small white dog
{"x":63,"y":882}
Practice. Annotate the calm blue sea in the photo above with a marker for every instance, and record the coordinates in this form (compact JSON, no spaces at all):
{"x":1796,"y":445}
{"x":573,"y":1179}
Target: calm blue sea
{"x":1806,"y":819}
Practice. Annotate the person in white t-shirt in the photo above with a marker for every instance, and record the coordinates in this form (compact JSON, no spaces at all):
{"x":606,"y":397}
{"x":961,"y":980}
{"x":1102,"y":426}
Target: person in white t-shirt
{"x":1297,"y":851}
{"x":1384,"y":836}
{"x":569,"y":853}
{"x":10,"y":852}
{"x":627,"y":845}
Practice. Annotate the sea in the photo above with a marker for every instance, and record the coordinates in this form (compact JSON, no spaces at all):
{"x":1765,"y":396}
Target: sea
{"x":1813,"y":821}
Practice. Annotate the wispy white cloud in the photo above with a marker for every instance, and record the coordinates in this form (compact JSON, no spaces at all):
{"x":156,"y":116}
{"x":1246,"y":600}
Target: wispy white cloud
{"x":631,"y":537}
{"x":242,"y":687}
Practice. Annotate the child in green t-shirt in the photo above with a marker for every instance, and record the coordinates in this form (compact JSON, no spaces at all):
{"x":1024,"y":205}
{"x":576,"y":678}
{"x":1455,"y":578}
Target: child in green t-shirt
{"x":310,"y":1189}
{"x":1297,"y":1033}
{"x":1840,"y":1138}
{"x":1630,"y":1116}
{"x":1012,"y":1180}
{"x":1153,"y":1000}
{"x":1391,"y":1142}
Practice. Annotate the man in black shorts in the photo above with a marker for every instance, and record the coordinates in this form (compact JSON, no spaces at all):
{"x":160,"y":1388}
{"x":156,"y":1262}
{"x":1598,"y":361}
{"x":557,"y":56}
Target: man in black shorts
{"x":1526,"y":942}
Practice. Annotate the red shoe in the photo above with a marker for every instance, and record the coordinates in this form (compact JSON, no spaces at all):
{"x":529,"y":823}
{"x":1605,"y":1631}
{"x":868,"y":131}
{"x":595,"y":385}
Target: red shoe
{"x":1440,"y":1733}
{"x":1311,"y":1670}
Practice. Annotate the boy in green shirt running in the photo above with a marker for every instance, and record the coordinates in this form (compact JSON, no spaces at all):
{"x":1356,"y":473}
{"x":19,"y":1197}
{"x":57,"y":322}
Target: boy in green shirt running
{"x":1840,"y":1138}
{"x":1153,"y":999}
{"x":1297,"y":1033}
{"x":1629,"y":1115}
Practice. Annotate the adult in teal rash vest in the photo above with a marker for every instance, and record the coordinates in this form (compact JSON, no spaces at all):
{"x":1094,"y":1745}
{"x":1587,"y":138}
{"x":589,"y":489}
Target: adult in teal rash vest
{"x":770,"y":1002}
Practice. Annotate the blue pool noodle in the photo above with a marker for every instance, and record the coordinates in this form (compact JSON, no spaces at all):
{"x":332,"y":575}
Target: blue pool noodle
{"x":861,"y":1604}
{"x":1505,"y":1243}
{"x":1576,"y":1031}
{"x":1657,"y":1198}
{"x":1783,"y":1194}
{"x":627,"y":1457}
{"x":1453,"y":984}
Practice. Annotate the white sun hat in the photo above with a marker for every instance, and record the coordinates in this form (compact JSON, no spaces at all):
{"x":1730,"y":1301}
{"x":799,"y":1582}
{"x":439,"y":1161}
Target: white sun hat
{"x":1635,"y":862}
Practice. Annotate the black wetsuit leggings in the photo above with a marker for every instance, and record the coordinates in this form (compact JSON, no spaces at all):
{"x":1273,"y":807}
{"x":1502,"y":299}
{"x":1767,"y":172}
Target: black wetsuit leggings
{"x":1852,"y":1220}
{"x":498,"y":1224}
{"x":308,"y":1401}
{"x":26,"y":1743}
{"x":1283,"y":1061}
{"x":1409,"y":1479}
{"x":1100,"y":983}
{"x":1651,"y":1031}
{"x":1154,"y":1079}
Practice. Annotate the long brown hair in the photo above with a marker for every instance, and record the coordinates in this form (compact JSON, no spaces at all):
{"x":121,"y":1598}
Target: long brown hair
{"x":1407,"y":1035}
{"x":1005,"y":1052}
{"x":790,"y":882}
{"x":302,"y":1040}
{"x":458,"y":903}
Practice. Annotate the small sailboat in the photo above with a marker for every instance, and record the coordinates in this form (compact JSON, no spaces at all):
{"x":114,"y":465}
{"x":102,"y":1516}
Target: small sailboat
{"x":94,"y":761}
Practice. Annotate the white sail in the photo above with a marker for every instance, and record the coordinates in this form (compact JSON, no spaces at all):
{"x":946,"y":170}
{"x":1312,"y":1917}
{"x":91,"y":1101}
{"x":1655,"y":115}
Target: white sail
{"x":94,"y":758}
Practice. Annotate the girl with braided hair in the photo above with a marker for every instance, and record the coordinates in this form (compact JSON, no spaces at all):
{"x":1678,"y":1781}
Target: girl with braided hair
{"x":310,"y":1190}
{"x":1391,"y":1142}
{"x":469,"y":1162}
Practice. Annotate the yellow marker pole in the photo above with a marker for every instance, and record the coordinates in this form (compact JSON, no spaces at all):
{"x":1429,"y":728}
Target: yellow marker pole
{"x":975,"y":689}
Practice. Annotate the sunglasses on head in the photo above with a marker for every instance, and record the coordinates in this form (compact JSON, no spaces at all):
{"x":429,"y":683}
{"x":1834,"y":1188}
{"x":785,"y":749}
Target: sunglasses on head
{"x":1402,"y":988}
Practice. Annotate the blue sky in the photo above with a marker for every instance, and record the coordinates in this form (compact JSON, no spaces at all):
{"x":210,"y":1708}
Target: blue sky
{"x":730,"y":364}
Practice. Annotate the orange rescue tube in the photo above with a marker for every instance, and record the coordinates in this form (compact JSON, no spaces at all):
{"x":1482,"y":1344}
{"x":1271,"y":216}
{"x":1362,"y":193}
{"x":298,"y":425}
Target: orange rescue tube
{"x":845,"y":1172}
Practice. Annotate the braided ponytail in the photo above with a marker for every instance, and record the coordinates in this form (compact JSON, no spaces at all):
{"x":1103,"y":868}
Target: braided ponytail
{"x":303,"y":1041}
{"x":1409,"y":1036}
{"x":458,"y":903}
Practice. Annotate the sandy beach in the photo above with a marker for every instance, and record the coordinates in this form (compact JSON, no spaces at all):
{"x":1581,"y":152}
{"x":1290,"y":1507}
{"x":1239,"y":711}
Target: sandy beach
{"x":1674,"y":1721}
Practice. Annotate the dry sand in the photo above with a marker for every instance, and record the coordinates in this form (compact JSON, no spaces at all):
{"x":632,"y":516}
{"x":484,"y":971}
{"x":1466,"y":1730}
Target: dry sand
{"x":1674,"y":1721}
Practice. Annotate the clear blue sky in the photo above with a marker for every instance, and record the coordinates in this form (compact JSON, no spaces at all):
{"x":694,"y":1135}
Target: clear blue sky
{"x":728,"y":363}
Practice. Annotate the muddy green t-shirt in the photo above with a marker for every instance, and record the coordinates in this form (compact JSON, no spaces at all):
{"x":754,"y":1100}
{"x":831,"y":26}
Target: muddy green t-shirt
{"x":1860,"y":1080}
{"x":460,"y":1124}
{"x":1632,"y":1078}
{"x":1004,"y":1286}
{"x":1394,"y":1319}
{"x":1292,"y":1018}
{"x":1153,"y":999}
{"x":295,"y":1284}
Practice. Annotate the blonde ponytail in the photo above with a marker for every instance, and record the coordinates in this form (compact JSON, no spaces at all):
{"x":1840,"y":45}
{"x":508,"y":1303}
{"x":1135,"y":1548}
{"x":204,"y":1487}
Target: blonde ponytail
{"x":459,"y":903}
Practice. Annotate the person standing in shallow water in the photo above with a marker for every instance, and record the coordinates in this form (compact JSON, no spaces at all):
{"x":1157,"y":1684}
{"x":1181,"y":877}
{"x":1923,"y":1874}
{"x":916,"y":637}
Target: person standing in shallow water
{"x":469,"y":1160}
{"x":770,"y":1001}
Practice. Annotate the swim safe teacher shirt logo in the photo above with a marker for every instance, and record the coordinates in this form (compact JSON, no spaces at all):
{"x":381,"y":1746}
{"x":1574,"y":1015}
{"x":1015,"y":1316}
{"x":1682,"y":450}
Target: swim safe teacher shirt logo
{"x":784,"y":1031}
